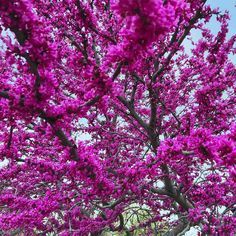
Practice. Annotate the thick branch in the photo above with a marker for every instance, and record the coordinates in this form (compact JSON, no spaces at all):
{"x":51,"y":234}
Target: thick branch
{"x":178,"y":228}
{"x":133,"y":113}
{"x":4,"y":94}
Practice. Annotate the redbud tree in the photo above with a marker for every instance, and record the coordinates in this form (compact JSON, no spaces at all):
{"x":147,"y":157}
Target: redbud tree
{"x":103,"y":111}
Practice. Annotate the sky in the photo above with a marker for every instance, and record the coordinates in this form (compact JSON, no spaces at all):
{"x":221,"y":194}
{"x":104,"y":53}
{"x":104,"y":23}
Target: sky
{"x":225,"y":5}
{"x":214,"y":26}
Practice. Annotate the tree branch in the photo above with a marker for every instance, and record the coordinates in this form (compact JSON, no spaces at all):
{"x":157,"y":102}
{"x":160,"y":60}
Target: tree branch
{"x":192,"y":21}
{"x":133,"y":113}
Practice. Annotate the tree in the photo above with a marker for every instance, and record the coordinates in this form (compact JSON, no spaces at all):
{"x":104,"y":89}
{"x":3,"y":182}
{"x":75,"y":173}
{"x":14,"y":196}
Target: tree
{"x":103,"y":111}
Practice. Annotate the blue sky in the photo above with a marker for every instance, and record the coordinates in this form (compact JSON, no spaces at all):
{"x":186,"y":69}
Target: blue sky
{"x":224,"y":5}
{"x":228,"y":5}
{"x":214,"y":26}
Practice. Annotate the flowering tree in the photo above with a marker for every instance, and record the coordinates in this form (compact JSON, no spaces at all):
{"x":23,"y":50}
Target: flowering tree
{"x":160,"y":122}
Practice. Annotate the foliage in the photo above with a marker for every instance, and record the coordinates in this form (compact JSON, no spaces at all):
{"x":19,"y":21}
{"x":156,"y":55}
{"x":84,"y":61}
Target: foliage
{"x":102,"y":108}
